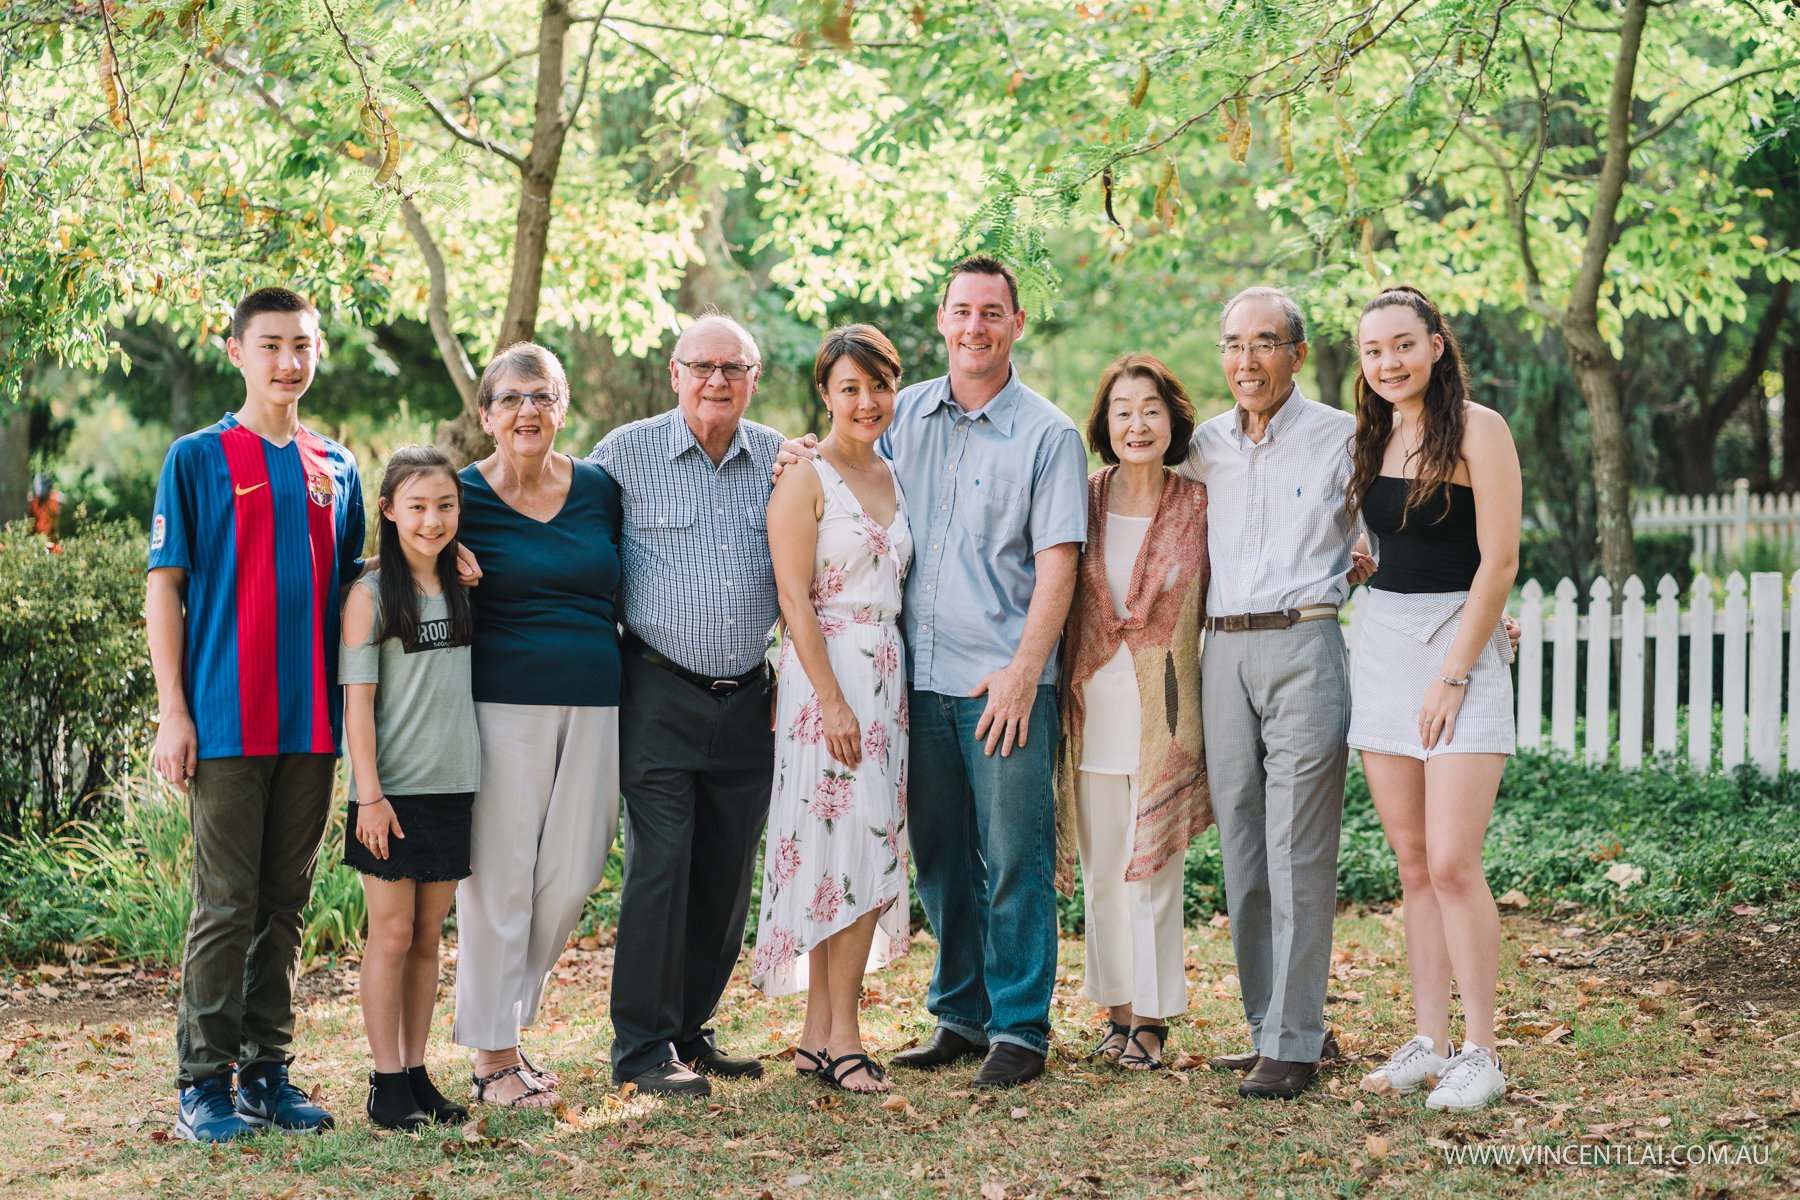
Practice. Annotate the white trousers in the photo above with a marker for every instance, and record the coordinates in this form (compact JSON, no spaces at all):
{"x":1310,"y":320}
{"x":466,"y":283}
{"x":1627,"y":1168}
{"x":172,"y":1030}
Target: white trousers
{"x":543,"y":821}
{"x":1135,"y":940}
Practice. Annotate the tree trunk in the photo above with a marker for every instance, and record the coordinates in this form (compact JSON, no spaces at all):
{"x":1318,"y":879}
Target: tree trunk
{"x":1760,"y":451}
{"x":1790,"y":417}
{"x":463,"y":438}
{"x":1331,"y":362}
{"x":1698,"y":440}
{"x":1590,"y":358}
{"x":15,"y":461}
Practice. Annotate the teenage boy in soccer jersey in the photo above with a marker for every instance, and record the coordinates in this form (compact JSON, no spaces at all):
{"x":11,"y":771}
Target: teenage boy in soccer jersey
{"x":257,"y":527}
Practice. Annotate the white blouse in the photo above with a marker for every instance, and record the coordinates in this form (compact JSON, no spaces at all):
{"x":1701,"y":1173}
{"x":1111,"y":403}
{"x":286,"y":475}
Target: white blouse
{"x":1113,"y":723}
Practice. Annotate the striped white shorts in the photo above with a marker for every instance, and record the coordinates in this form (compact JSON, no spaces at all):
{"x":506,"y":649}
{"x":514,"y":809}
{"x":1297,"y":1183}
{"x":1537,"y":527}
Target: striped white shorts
{"x":1400,"y":651}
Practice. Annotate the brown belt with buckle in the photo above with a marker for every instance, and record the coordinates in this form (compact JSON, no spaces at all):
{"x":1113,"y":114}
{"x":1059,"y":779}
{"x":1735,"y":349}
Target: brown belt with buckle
{"x":1244,"y":622}
{"x":720,"y":687}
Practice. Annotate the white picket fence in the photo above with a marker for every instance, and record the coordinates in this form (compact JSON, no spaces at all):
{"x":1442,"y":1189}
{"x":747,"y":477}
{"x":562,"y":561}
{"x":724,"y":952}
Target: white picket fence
{"x":1722,"y":525}
{"x":1747,"y":631}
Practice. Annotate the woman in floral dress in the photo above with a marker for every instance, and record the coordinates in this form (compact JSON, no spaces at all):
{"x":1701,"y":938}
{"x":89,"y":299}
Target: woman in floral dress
{"x":834,"y":873}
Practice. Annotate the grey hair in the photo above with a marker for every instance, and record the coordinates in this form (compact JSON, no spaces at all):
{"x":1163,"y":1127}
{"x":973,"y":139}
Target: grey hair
{"x":1296,"y":320}
{"x":712,"y":318}
{"x":528,"y":360}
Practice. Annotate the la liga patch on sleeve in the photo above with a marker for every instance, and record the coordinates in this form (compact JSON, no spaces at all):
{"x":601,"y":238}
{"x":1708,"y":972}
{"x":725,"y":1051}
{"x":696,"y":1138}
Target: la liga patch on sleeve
{"x":158,"y":531}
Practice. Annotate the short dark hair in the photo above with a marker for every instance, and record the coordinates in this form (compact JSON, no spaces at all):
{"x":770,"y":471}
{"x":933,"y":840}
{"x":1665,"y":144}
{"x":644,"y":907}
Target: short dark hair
{"x":1181,"y":409}
{"x":984,"y":264}
{"x":267,"y":300}
{"x":865,"y":345}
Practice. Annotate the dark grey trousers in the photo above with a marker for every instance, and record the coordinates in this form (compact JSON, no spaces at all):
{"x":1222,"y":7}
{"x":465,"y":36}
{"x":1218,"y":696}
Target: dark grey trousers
{"x":1276,"y":707}
{"x":258,"y":821}
{"x":695,"y":772}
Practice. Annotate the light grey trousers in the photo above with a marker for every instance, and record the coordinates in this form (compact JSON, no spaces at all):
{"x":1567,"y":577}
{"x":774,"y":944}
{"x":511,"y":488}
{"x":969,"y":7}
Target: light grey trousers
{"x":543,"y":822}
{"x":1276,"y":707}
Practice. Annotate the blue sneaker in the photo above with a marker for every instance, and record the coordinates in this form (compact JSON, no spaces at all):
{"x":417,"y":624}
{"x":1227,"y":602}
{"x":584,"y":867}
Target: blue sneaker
{"x":206,"y":1113}
{"x":267,"y":1100}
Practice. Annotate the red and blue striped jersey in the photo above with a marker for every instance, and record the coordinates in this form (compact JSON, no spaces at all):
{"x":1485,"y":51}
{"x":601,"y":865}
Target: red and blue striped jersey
{"x":267,"y":536}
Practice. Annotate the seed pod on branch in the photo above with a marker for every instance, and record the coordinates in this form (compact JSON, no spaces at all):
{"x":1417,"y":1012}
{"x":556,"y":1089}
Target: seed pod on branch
{"x":390,"y":156}
{"x":1240,"y":131}
{"x":1167,"y":193}
{"x":109,"y":85}
{"x":1106,"y":194}
{"x":371,"y":125}
{"x":1287,"y":133}
{"x":1368,"y":250}
{"x":1142,"y":88}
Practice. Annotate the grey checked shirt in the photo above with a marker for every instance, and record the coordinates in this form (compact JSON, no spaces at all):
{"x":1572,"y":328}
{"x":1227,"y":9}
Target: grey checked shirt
{"x":698,"y":585}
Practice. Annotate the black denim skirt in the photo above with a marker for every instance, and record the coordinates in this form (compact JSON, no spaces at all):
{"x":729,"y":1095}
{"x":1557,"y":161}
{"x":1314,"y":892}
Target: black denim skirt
{"x":435,"y":848}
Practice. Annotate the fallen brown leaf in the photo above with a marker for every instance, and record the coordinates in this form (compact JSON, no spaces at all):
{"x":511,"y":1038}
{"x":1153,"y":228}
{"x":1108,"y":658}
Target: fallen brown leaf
{"x":1376,"y":1145}
{"x":1556,"y":1035}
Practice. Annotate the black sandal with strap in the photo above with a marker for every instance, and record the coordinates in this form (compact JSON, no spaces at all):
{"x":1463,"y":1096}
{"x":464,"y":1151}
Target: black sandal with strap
{"x":820,"y":1061}
{"x":834,"y":1073}
{"x":1138,"y":1058}
{"x":549,"y":1079}
{"x":1115,"y":1029}
{"x":482,"y":1082}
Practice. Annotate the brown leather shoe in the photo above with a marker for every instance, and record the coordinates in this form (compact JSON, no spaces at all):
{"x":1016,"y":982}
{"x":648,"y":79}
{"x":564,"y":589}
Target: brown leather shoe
{"x":1247,"y":1062}
{"x":1276,"y":1080}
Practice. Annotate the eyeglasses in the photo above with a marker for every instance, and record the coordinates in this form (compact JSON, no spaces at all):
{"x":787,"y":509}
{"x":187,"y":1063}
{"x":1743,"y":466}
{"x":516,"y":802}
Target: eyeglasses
{"x":1261,"y":348}
{"x":511,"y":401}
{"x":733,"y":372}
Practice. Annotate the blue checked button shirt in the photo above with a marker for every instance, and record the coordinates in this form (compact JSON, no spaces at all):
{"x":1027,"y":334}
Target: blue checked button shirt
{"x":694,"y":550}
{"x":986,"y":491}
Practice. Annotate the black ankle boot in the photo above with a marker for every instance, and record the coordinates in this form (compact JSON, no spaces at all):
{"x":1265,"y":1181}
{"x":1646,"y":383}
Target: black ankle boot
{"x":391,"y":1104}
{"x":433,"y":1102}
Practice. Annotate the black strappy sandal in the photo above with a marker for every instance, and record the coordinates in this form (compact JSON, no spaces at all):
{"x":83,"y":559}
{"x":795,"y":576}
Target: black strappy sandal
{"x":550,"y":1079}
{"x":819,"y":1062}
{"x":1138,"y":1058}
{"x":1114,"y":1029}
{"x":834,"y":1072}
{"x":483,"y":1082}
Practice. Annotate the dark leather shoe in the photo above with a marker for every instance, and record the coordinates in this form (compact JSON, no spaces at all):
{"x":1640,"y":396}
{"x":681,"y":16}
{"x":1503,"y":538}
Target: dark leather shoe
{"x":727,"y":1066}
{"x":1007,"y":1065}
{"x":671,"y":1079}
{"x":942,"y":1048}
{"x":1247,"y":1062}
{"x":1276,"y":1080}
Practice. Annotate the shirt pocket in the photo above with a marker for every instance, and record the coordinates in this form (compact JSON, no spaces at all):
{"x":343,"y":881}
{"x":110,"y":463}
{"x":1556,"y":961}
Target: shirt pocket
{"x":993,"y":511}
{"x":649,"y":520}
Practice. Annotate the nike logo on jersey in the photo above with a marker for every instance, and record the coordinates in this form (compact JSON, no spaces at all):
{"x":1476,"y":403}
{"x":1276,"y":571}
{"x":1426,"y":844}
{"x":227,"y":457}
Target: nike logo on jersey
{"x":244,"y":491}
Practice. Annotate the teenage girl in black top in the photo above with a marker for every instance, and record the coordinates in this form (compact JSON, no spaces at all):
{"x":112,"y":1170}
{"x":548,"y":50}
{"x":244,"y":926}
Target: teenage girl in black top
{"x":1437,"y":479}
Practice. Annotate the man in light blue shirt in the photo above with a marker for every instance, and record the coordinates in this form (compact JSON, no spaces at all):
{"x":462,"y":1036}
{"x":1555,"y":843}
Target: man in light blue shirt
{"x":995,"y":480}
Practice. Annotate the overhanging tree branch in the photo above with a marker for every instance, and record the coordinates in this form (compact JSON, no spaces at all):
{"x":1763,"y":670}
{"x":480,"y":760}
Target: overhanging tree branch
{"x":456,"y":360}
{"x":1652,"y":134}
{"x":461,"y":134}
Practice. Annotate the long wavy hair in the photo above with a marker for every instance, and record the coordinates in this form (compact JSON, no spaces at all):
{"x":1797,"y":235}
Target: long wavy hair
{"x":1440,"y":445}
{"x":399,"y":598}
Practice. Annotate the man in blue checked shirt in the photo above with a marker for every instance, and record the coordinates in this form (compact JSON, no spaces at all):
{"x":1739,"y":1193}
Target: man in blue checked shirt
{"x":996,"y":479}
{"x":696,"y":754}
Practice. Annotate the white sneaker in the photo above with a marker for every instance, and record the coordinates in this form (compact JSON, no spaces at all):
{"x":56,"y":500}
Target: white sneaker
{"x":1470,"y":1083}
{"x":1408,"y":1066}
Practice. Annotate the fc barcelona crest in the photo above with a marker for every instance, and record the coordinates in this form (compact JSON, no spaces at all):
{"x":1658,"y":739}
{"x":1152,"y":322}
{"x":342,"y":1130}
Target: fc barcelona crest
{"x":318,"y":487}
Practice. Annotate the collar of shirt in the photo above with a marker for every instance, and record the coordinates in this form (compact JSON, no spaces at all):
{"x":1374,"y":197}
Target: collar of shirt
{"x":998,"y":411}
{"x":1284,"y":417}
{"x":682,"y":439}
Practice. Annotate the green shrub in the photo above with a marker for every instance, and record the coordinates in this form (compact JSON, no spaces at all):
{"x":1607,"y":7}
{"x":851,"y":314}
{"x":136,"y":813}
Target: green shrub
{"x":76,"y":691}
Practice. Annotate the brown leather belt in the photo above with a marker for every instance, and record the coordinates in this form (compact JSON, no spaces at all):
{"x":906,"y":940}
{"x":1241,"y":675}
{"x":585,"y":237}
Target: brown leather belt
{"x":1244,"y":622}
{"x":707,"y":683}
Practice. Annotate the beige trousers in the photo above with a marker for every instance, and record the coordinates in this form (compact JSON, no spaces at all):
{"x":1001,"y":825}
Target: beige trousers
{"x":543,"y":821}
{"x":1135,"y":945}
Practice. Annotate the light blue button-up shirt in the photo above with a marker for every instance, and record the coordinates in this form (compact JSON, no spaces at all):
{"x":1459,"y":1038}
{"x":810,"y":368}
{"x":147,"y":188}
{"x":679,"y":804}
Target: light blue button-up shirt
{"x":985,"y":492}
{"x":697,"y":584}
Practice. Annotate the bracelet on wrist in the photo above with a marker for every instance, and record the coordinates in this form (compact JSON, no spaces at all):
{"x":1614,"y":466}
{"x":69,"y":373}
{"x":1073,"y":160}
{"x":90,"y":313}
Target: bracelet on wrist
{"x":1463,"y":682}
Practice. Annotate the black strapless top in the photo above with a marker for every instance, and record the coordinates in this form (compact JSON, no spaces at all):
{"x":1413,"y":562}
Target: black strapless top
{"x":1437,"y":551}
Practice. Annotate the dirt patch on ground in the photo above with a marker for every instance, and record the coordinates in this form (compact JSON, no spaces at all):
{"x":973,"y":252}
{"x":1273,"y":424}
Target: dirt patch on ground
{"x":1746,"y":958}
{"x":97,"y":995}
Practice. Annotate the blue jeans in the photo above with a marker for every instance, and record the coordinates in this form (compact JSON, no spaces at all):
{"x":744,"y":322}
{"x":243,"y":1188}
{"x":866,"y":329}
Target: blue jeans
{"x":983,"y":833}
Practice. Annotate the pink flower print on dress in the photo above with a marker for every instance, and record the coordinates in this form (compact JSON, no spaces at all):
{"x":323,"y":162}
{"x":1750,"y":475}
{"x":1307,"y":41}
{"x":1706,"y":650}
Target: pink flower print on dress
{"x":868,"y":614}
{"x":809,"y":723}
{"x":887,"y":664}
{"x":827,"y":584}
{"x":875,"y":743}
{"x":877,"y":537}
{"x":831,"y":797}
{"x":891,"y":835}
{"x":779,"y":947}
{"x":830,"y":626}
{"x":904,"y":719}
{"x":829,"y":899}
{"x":785,"y":862}
{"x":900,"y":788}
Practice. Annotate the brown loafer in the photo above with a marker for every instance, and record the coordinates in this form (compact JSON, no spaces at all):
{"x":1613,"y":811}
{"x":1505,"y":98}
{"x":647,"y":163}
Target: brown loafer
{"x":1276,"y":1080}
{"x":1236,"y":1062}
{"x":1247,"y":1062}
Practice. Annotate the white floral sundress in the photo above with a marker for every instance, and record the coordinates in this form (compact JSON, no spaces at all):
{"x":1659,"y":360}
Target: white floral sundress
{"x":837,"y":835}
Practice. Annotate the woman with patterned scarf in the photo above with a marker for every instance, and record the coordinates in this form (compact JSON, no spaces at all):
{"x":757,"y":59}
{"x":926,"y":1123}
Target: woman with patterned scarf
{"x":1131,"y":773}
